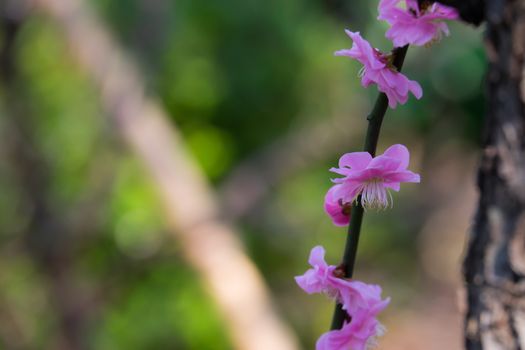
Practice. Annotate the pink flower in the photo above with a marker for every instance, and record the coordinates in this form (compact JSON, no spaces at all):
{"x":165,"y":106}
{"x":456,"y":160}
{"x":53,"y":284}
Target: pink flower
{"x":337,"y":209}
{"x":372,"y":177}
{"x":321,"y":278}
{"x":413,"y":24}
{"x":361,"y":301}
{"x":358,"y":334}
{"x":378,"y":69}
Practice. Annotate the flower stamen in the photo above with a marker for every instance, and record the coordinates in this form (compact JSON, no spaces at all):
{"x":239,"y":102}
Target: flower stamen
{"x":361,"y":72}
{"x":374,"y":195}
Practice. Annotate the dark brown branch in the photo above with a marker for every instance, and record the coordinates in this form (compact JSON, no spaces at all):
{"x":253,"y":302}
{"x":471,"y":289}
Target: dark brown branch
{"x":494,"y":268}
{"x":375,"y":120}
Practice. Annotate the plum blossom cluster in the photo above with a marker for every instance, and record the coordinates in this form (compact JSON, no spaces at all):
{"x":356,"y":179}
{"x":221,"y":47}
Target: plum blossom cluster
{"x":414,"y":24}
{"x":378,"y":69}
{"x":361,"y":301}
{"x":411,"y":24}
{"x":370,"y":178}
{"x":366,"y":181}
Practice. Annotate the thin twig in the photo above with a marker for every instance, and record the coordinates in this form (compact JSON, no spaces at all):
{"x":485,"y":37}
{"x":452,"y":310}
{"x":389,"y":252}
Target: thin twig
{"x":375,"y":119}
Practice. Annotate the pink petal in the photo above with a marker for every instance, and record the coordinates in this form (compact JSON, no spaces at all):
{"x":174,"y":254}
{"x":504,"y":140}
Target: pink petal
{"x":340,"y":171}
{"x":396,"y":186}
{"x":415,"y":89}
{"x":308,"y":283}
{"x":357,"y":294}
{"x":396,"y":86}
{"x":355,"y":160}
{"x":316,"y":279}
{"x":385,"y":6}
{"x":339,"y":340}
{"x":403,"y":176}
{"x":348,"y":190}
{"x":344,"y":52}
{"x":332,"y":206}
{"x":395,"y":81}
{"x":412,"y":26}
{"x":354,"y":335}
{"x":384,"y":163}
{"x":412,"y":4}
{"x":444,"y":28}
{"x":399,"y":152}
{"x":362,"y":51}
{"x":392,"y":101}
{"x":317,"y":257}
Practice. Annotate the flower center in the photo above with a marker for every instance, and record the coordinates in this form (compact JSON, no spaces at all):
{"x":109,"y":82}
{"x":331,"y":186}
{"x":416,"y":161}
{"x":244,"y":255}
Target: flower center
{"x":381,"y":56}
{"x":346,"y":208}
{"x":379,"y":332}
{"x":361,"y":72}
{"x":422,"y":8}
{"x":386,"y":58}
{"x":374,"y":195}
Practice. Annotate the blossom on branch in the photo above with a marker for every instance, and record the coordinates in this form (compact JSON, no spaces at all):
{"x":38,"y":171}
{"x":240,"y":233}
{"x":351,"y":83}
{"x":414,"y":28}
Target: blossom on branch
{"x":320,"y":278}
{"x":378,"y":68}
{"x":413,"y":24}
{"x":338,"y":210}
{"x":372,"y":178}
{"x":358,"y":334}
{"x":362,"y":302}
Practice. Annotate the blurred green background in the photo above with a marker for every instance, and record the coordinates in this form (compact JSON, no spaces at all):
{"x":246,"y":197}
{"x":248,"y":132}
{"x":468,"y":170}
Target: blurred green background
{"x":249,"y":84}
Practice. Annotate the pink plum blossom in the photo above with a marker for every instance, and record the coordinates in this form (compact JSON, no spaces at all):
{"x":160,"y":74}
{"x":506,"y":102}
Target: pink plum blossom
{"x":361,"y":301}
{"x":358,"y":334}
{"x":378,"y":69}
{"x":324,"y":278}
{"x":372,"y":178}
{"x":413,"y":24}
{"x":320,"y":278}
{"x":337,"y":209}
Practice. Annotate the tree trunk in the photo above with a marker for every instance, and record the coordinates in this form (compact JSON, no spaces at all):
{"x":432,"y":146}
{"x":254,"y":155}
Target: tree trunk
{"x":494,"y":268}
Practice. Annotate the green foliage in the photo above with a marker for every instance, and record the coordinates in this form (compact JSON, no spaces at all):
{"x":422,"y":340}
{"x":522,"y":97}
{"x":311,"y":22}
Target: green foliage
{"x":165,"y":309}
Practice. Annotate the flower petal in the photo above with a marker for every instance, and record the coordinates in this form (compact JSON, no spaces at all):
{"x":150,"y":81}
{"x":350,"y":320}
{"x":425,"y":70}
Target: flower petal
{"x":410,"y":25}
{"x":334,"y":209}
{"x":362,"y":51}
{"x":415,"y":89}
{"x":396,"y":186}
{"x":347,"y":191}
{"x":399,"y":152}
{"x":403,"y":176}
{"x":317,"y":257}
{"x":355,"y":160}
{"x":384,"y":163}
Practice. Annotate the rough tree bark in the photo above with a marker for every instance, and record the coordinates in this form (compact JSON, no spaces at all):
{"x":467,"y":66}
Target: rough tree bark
{"x":494,"y":266}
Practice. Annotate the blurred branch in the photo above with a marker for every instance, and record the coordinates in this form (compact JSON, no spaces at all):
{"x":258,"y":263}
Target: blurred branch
{"x":12,"y":333}
{"x":375,"y":120}
{"x":210,"y":245}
